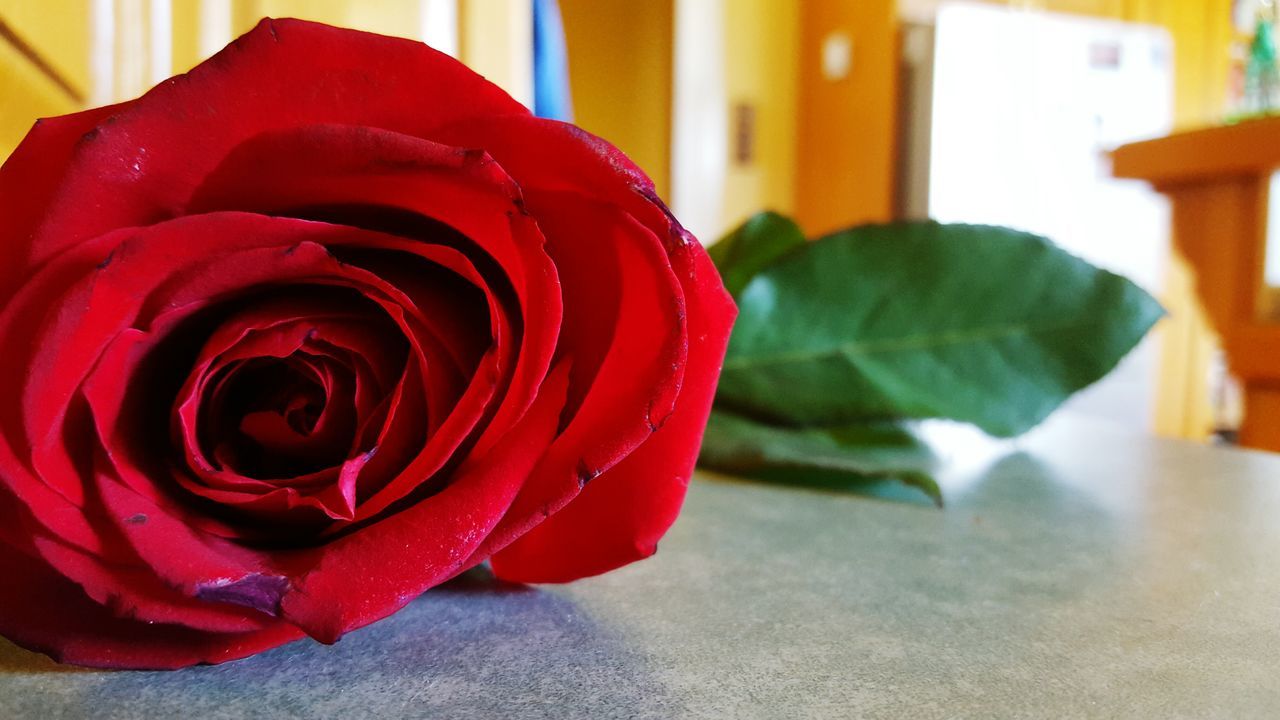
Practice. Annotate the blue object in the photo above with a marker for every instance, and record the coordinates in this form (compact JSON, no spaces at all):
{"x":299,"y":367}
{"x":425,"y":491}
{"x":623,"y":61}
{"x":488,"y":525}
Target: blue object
{"x":551,"y":96}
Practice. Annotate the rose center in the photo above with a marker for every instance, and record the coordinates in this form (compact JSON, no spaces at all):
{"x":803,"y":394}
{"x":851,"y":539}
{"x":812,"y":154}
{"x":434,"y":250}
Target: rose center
{"x":275,"y":417}
{"x":287,"y":414}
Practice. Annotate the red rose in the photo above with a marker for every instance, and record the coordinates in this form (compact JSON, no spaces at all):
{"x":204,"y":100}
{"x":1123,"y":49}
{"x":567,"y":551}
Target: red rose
{"x":317,"y":326}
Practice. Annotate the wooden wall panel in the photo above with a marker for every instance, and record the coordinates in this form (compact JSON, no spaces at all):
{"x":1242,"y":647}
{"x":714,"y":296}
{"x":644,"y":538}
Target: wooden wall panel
{"x":846,"y":128}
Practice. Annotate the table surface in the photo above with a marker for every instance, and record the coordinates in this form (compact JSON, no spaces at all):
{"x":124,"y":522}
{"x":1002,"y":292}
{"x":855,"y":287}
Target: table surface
{"x":1078,"y":572}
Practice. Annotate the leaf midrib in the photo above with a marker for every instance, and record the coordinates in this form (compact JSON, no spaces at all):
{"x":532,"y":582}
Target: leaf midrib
{"x":856,"y":348}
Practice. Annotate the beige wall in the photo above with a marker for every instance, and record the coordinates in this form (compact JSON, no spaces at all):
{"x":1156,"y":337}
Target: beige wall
{"x":389,"y":17}
{"x":27,"y":90}
{"x":620,"y":65}
{"x":497,"y":42}
{"x":494,"y":37}
{"x":762,"y":51}
{"x":621,"y":73}
{"x":28,"y":94}
{"x":58,"y":31}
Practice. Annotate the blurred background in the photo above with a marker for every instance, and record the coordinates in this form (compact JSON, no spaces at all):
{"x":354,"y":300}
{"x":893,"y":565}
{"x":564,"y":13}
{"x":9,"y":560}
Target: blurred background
{"x":834,"y":111}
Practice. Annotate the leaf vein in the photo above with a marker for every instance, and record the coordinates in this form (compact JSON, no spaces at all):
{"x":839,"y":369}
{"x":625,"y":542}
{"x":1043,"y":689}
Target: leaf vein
{"x":858,"y":348}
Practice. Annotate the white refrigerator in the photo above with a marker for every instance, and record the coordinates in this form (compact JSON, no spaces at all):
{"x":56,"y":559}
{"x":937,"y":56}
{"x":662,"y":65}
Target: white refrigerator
{"x":1009,"y":116}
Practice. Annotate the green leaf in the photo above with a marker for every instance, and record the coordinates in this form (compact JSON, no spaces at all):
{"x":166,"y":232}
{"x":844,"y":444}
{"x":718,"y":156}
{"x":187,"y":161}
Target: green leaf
{"x":920,"y":320}
{"x":859,"y":458}
{"x":759,"y":241}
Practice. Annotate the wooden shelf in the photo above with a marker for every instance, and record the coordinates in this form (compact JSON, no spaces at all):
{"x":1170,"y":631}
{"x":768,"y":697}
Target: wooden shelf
{"x":1218,"y":180}
{"x":1249,"y":148}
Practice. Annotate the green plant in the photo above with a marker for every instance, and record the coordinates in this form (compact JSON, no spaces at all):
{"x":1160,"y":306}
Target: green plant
{"x":842,"y":341}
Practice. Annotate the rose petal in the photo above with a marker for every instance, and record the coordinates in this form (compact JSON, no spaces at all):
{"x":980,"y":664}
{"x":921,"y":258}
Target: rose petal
{"x":29,"y":178}
{"x":467,"y":445}
{"x":296,"y":171}
{"x":627,"y":394}
{"x":47,"y":613}
{"x":124,"y":583}
{"x":142,"y":166}
{"x":458,"y":518}
{"x":620,"y":516}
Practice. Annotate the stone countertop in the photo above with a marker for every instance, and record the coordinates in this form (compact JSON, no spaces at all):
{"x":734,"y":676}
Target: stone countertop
{"x":1079,"y":572}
